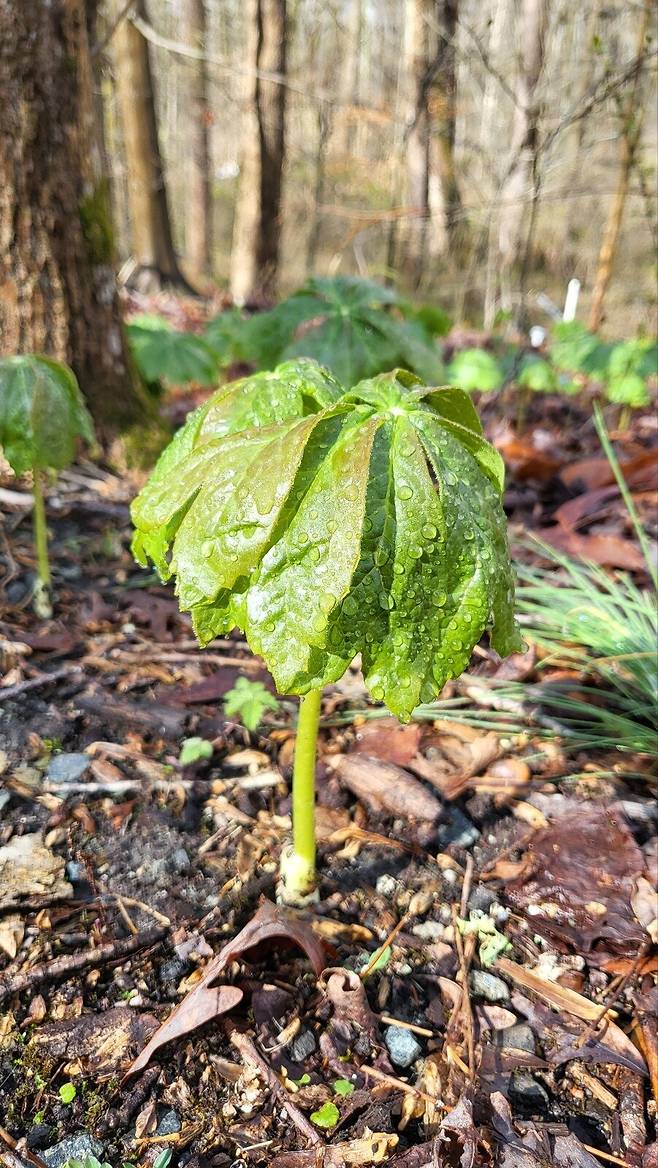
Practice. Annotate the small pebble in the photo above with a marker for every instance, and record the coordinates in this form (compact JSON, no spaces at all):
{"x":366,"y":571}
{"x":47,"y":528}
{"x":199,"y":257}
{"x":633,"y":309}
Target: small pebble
{"x":386,"y":885}
{"x":402,"y":1046}
{"x":76,"y":872}
{"x":179,"y":861}
{"x":76,"y":1147}
{"x":169,"y":1124}
{"x":302,"y":1045}
{"x":458,"y":830}
{"x":429,"y":930}
{"x":488,"y":986}
{"x":481,"y":898}
{"x":38,"y":1136}
{"x":532,"y":1096}
{"x":68,"y":768}
{"x":518,"y":1037}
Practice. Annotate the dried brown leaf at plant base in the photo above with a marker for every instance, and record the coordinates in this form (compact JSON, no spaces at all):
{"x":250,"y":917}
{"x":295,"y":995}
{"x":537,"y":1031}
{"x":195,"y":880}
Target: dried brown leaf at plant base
{"x":384,"y":786}
{"x":389,"y":740}
{"x":205,"y":1001}
{"x":369,"y":1148}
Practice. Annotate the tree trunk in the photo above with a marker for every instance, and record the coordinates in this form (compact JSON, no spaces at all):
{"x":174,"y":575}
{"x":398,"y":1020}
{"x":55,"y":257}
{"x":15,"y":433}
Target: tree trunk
{"x":198,"y":221}
{"x":256,"y":231}
{"x":432,"y":190}
{"x":57,"y":287}
{"x":631,"y":112}
{"x":444,"y":197}
{"x":152,"y":241}
{"x":350,"y":80}
{"x":520,"y":186}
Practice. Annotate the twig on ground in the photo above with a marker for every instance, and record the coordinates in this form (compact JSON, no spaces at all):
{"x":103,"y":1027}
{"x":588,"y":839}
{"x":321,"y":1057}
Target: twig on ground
{"x":250,"y":1054}
{"x":382,"y":948}
{"x":63,"y":967}
{"x":15,"y":691}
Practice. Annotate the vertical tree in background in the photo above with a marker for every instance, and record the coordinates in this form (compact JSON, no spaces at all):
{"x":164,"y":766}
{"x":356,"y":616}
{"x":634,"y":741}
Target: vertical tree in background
{"x":350,"y":74}
{"x":521,"y":185}
{"x":630,"y":108}
{"x":430,"y":70}
{"x":198,"y":221}
{"x":152,"y":241}
{"x":256,"y":230}
{"x":57,"y":287}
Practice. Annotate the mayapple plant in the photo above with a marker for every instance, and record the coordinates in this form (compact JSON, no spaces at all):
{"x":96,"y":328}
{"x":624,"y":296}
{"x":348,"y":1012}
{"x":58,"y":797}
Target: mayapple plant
{"x":327,"y":523}
{"x":42,"y":415}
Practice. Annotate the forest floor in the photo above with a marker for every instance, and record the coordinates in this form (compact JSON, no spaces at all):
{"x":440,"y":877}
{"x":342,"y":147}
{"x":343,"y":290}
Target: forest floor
{"x":476,"y":984}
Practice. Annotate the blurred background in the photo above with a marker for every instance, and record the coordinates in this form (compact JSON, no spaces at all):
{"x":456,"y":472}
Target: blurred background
{"x":480,"y":153}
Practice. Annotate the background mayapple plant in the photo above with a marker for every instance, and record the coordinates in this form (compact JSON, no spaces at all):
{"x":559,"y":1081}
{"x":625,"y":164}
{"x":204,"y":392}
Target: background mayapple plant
{"x":327,"y":523}
{"x":42,"y":415}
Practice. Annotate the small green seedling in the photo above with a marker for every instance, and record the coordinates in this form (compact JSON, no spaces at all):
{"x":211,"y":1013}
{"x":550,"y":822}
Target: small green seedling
{"x":194,"y":750}
{"x":249,"y":700}
{"x":475,"y":369}
{"x":42,"y":415}
{"x":67,"y":1092}
{"x":326,"y":1116}
{"x":343,"y":1087}
{"x":326,"y":524}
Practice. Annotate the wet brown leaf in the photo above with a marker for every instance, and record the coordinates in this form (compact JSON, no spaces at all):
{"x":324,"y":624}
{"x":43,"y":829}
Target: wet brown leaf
{"x":388,"y":740}
{"x":609,"y":551}
{"x":584,"y":866}
{"x":347,"y":995}
{"x":205,"y":1001}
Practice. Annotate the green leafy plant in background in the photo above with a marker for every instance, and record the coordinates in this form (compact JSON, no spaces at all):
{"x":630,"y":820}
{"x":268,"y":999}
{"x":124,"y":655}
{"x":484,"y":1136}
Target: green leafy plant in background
{"x":355,"y":327}
{"x":42,"y":416}
{"x":194,"y":750}
{"x":249,"y":700}
{"x":475,"y":369}
{"x":630,"y":366}
{"x":327,"y":523}
{"x":164,"y":354}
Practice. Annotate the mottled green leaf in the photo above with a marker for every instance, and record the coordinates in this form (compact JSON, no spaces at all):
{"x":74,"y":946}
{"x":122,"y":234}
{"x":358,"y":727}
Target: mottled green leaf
{"x":539,"y":376}
{"x":371,"y":526}
{"x":164,"y":353}
{"x":628,"y":389}
{"x":42,"y":413}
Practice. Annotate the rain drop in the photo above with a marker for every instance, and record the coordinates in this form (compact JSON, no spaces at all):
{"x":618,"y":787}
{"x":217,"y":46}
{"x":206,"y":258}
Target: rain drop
{"x":381,"y":556}
{"x":428,"y":530}
{"x":405,"y":492}
{"x":350,"y":606}
{"x":207,"y":548}
{"x":377,"y":692}
{"x":385,"y":601}
{"x":439,"y":599}
{"x":327,"y":601}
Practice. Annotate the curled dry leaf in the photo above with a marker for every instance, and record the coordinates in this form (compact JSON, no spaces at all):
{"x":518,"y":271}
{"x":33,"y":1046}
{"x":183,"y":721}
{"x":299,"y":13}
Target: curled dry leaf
{"x":205,"y":1001}
{"x":347,"y":995}
{"x":384,"y":786}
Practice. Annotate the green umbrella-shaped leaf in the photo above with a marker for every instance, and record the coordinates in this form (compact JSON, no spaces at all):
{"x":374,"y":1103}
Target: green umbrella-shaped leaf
{"x":628,"y":389}
{"x":42,"y":413}
{"x":355,"y":327}
{"x":163,"y":353}
{"x":371,"y":526}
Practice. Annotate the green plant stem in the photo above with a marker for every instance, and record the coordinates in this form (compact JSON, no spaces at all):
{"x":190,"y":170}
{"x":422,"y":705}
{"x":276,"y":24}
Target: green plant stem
{"x":303,"y":780}
{"x":641,"y":534}
{"x":40,"y":530}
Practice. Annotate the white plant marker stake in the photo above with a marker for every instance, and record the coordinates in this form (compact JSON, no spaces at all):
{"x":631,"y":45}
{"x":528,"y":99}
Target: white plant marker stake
{"x":571,"y":300}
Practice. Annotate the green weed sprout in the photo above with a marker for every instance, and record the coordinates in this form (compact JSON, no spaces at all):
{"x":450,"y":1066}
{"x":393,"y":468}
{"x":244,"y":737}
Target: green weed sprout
{"x":475,"y":369}
{"x":327,"y":523}
{"x":250,"y":700}
{"x":42,"y":415}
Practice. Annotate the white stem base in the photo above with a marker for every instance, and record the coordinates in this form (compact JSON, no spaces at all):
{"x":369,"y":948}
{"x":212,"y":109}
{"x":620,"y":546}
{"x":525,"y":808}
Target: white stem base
{"x":297,"y":883}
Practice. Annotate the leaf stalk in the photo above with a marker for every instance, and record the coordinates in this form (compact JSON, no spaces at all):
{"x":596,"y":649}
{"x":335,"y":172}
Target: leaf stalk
{"x":298,"y":868}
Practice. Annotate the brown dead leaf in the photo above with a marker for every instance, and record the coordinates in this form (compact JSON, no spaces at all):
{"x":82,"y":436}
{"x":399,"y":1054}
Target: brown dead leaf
{"x":28,"y":870}
{"x":644,"y":900}
{"x":388,"y":740}
{"x":468,"y":759}
{"x":583,"y":868}
{"x":12,"y":931}
{"x":609,"y":551}
{"x":99,"y":1042}
{"x":568,"y":1001}
{"x":205,"y":1001}
{"x":385,"y":786}
{"x":527,"y":461}
{"x":368,"y":1148}
{"x":346,"y":992}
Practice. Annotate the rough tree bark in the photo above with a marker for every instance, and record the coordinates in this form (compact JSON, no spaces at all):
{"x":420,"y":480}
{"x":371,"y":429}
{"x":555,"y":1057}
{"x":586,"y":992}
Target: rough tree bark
{"x":198,"y":222}
{"x":444,"y":196}
{"x":256,"y":231}
{"x":521,"y":184}
{"x":57,"y":287}
{"x":150,"y":223}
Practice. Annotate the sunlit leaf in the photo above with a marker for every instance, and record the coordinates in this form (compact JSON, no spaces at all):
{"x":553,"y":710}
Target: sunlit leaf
{"x":538,"y":376}
{"x":42,"y":413}
{"x":372,"y":526}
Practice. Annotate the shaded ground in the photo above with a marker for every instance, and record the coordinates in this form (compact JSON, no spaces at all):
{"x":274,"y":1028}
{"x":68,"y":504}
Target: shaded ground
{"x":484,"y":909}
